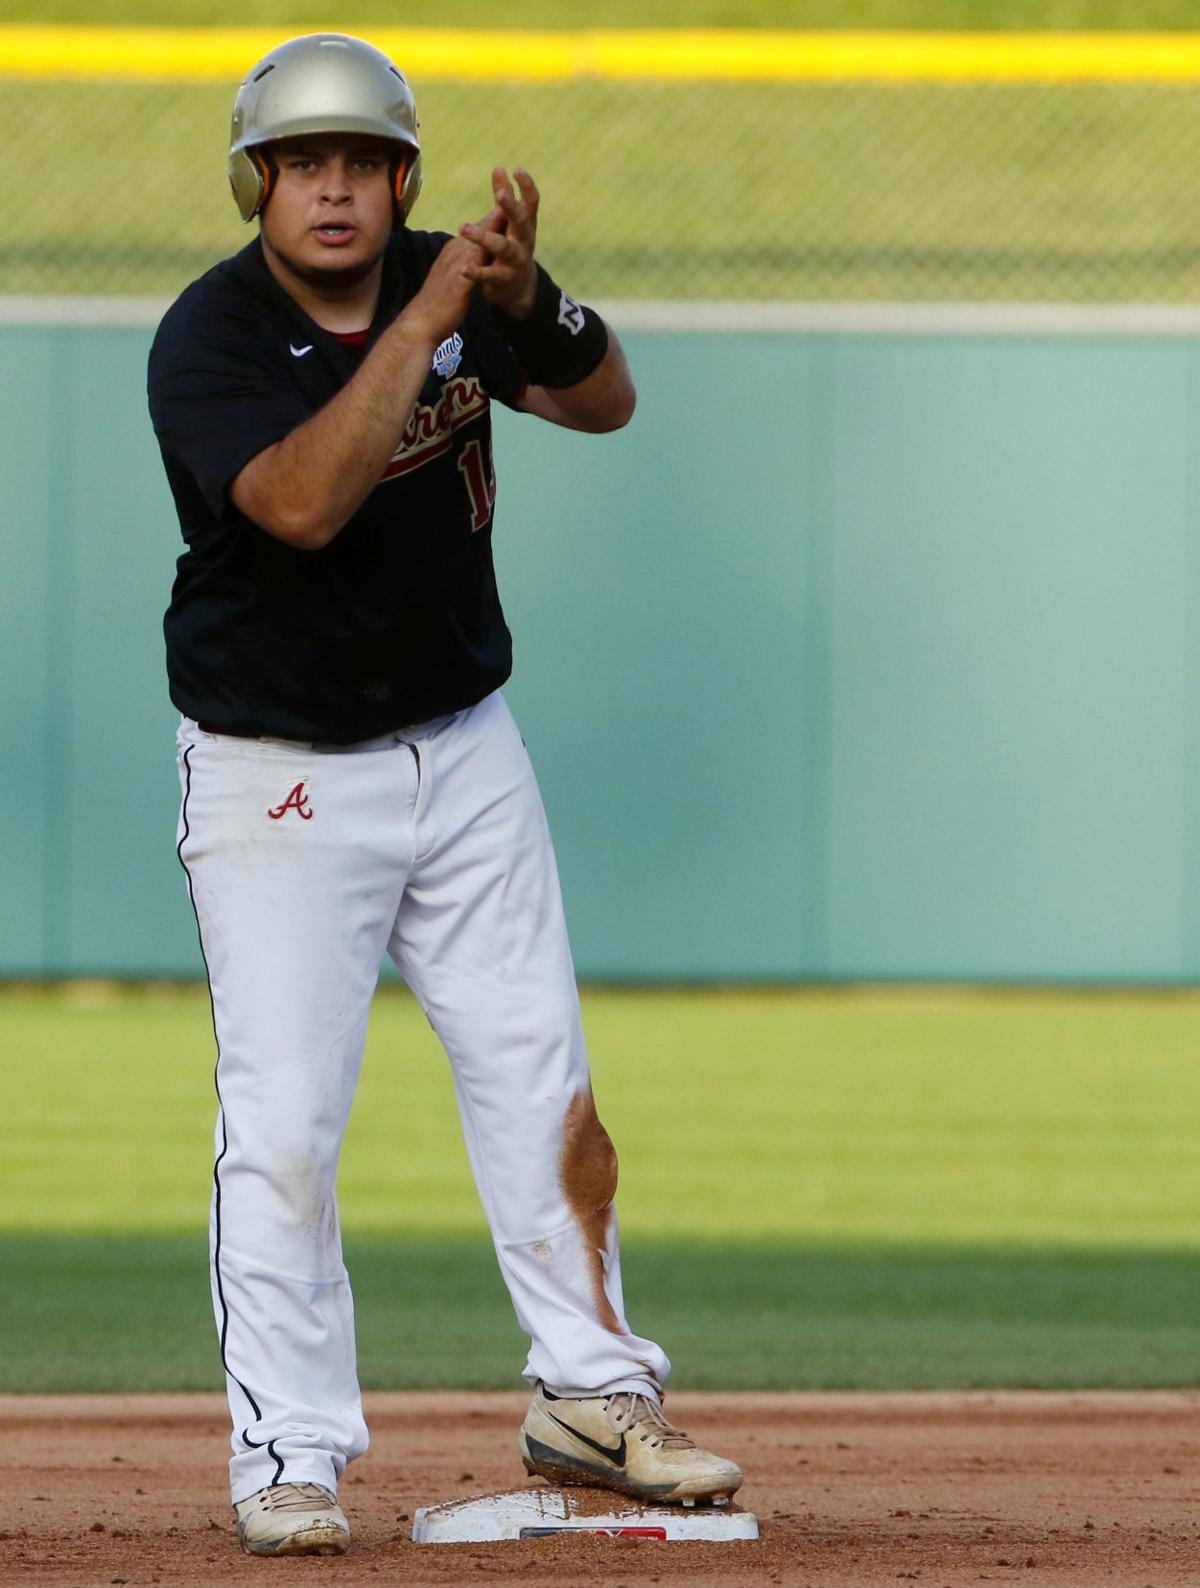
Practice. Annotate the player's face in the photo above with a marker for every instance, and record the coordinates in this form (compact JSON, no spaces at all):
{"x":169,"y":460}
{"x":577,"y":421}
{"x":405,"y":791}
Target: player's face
{"x":330,"y":212}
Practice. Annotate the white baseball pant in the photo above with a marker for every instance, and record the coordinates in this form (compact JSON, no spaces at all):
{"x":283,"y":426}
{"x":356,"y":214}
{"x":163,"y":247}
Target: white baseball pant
{"x":305,"y":864}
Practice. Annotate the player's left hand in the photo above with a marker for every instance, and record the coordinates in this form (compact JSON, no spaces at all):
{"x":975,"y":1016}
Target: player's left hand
{"x":507,"y":234}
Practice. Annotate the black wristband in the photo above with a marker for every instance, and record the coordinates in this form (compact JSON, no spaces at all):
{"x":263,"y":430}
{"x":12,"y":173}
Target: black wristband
{"x":559,"y":342}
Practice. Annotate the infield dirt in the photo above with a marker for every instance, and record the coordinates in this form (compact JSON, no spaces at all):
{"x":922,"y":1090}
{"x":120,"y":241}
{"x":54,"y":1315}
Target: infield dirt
{"x":862,"y":1489}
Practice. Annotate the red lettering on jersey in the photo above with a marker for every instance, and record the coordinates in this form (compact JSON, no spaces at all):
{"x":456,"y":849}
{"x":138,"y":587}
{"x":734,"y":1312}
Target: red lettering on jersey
{"x":296,"y":801}
{"x":430,"y":431}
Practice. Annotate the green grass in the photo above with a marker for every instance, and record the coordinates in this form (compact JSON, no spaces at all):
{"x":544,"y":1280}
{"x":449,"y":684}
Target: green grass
{"x":129,"y":1313}
{"x":792,"y":1116}
{"x":677,"y":191}
{"x":818,"y":1188}
{"x":951,"y":14}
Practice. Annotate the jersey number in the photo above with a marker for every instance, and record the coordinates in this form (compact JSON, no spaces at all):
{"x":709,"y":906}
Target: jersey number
{"x":481,"y":484}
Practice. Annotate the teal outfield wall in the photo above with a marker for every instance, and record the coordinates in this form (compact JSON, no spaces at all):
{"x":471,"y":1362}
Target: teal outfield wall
{"x":852,"y":657}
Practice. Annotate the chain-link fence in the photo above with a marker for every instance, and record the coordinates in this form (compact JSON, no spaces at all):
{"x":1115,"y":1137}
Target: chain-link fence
{"x":890,"y":191}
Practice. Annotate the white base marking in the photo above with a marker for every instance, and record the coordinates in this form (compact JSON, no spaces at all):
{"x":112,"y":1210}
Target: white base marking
{"x":540,"y":1513}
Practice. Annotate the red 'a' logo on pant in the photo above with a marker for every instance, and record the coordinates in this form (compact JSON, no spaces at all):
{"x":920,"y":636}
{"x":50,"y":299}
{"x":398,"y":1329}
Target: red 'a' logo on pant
{"x":296,"y":801}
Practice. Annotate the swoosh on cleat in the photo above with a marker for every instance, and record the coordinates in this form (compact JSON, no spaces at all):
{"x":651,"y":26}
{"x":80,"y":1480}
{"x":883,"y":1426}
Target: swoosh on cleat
{"x":559,"y":1467}
{"x":617,"y":1456}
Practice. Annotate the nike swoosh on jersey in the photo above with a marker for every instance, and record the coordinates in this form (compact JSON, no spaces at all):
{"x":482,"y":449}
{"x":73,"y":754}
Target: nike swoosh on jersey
{"x":299,"y":352}
{"x":616,"y":1456}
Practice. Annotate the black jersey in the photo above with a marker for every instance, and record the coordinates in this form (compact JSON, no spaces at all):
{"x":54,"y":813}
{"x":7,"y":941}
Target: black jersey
{"x":395,"y":621}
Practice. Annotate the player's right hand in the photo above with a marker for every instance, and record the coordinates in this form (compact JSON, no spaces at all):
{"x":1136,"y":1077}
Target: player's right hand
{"x":441,"y":304}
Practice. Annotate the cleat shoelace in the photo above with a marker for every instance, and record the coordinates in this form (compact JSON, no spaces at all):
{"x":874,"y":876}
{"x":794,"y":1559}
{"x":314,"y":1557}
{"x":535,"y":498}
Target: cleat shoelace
{"x":646,"y":1417}
{"x":297,"y":1497}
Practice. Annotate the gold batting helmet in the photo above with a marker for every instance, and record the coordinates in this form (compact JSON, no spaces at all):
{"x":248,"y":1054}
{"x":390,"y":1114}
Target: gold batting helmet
{"x":322,"y":82}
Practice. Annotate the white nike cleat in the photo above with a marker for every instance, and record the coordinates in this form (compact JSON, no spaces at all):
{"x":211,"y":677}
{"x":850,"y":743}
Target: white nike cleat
{"x":621,"y":1442}
{"x":292,"y":1519}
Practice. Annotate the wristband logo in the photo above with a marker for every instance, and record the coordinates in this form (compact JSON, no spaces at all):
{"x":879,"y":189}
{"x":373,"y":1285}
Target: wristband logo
{"x":448,"y":356}
{"x":570,"y":314}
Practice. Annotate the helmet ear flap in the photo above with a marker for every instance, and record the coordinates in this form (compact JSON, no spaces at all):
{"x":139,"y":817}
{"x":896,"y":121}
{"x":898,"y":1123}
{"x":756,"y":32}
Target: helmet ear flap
{"x":406,"y":180}
{"x":267,"y":170}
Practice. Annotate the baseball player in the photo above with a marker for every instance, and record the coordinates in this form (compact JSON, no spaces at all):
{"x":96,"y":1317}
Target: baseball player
{"x":354,"y":785}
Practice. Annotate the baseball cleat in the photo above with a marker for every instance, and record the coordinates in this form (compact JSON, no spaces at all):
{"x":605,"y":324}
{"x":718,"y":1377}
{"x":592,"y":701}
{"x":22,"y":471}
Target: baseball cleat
{"x":292,"y":1519}
{"x":621,"y":1442}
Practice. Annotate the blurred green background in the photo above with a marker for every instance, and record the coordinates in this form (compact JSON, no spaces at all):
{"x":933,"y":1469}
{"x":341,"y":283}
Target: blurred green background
{"x":685,"y":191}
{"x":854,"y":1188}
{"x":933,"y":192}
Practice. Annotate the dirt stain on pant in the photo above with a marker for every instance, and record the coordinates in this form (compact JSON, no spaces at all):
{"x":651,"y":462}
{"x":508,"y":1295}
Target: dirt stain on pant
{"x":587,"y":1169}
